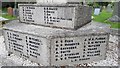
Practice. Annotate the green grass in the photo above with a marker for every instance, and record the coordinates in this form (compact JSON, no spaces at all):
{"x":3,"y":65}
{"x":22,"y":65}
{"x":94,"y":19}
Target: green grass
{"x":8,"y":16}
{"x":113,"y":24}
{"x":103,"y":16}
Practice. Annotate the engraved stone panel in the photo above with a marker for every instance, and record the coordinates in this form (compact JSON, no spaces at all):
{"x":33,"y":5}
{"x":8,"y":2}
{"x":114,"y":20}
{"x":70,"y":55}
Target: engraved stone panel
{"x":51,"y":46}
{"x":62,"y":16}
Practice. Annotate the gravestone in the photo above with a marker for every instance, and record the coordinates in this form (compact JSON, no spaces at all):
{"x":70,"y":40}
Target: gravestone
{"x":116,"y":13}
{"x":10,"y":11}
{"x":109,"y":8}
{"x":97,"y":11}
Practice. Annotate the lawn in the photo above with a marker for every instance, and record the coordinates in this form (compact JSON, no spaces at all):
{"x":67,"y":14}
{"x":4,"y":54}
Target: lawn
{"x":103,"y":16}
{"x":8,"y":16}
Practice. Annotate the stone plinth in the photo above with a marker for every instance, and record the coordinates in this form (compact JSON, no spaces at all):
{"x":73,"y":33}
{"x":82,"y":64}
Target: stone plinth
{"x":50,"y":46}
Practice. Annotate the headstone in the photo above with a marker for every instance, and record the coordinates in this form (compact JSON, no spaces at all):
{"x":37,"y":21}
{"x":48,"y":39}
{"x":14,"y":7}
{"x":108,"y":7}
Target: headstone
{"x":10,"y":11}
{"x":109,"y":8}
{"x":97,"y":11}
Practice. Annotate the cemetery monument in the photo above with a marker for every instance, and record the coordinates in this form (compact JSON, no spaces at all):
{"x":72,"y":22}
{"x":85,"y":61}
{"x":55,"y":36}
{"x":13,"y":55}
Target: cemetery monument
{"x":55,"y":34}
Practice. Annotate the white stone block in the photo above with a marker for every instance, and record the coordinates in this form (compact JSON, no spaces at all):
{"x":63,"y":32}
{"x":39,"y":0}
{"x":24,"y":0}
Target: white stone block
{"x":61,"y":16}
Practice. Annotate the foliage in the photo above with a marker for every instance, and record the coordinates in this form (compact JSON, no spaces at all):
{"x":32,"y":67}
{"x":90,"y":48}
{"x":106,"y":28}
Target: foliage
{"x":4,"y":10}
{"x":98,"y":4}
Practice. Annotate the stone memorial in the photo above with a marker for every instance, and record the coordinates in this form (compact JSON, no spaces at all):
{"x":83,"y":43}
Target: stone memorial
{"x":56,"y":47}
{"x":49,"y":46}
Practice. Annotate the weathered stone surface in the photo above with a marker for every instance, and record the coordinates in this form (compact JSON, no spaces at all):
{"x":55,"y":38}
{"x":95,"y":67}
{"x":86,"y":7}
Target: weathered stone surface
{"x":111,"y":60}
{"x":116,"y":9}
{"x":46,"y":45}
{"x":70,"y":16}
{"x":115,"y":18}
{"x":115,"y":31}
{"x":116,"y":13}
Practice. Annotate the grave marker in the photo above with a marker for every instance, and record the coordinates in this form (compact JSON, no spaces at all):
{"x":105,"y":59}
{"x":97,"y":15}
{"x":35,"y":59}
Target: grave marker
{"x":109,"y":8}
{"x":97,"y":11}
{"x":10,"y":11}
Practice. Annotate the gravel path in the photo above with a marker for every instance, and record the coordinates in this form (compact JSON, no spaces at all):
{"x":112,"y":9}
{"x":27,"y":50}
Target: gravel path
{"x":111,"y":60}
